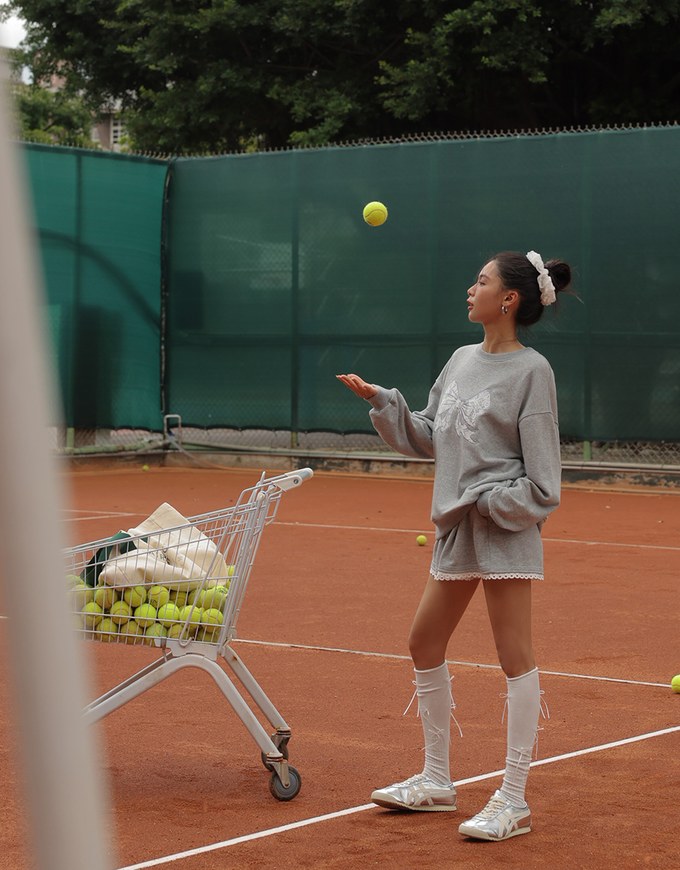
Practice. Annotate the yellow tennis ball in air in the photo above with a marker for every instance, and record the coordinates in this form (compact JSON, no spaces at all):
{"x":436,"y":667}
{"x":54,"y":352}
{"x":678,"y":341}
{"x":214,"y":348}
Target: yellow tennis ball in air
{"x":375,"y":214}
{"x":675,"y":684}
{"x":421,"y":540}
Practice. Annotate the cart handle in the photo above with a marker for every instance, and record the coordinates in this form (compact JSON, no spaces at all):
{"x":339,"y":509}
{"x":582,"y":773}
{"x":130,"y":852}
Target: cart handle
{"x":291,"y":479}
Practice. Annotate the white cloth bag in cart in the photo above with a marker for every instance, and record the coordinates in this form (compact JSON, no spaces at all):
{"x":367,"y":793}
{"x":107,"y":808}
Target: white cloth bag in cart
{"x":169,"y":552}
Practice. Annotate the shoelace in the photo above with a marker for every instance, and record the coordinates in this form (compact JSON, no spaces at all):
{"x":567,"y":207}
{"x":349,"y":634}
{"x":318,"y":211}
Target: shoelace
{"x":413,"y":780}
{"x":492,"y":808}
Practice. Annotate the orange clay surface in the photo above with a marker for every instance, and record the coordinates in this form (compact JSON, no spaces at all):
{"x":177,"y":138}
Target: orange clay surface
{"x":324,"y":630}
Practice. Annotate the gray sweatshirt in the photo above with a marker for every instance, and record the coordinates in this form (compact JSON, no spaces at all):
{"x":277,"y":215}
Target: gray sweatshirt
{"x":491,"y":426}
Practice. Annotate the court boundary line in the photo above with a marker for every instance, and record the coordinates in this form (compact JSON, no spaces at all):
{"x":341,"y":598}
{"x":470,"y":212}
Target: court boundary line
{"x":420,"y":531}
{"x":303,"y":823}
{"x":482,"y":665}
{"x":401,"y":657}
{"x":101,"y":515}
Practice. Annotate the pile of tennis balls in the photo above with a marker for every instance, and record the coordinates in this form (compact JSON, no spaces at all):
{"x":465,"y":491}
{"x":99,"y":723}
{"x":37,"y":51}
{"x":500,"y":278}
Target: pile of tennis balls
{"x":143,"y":614}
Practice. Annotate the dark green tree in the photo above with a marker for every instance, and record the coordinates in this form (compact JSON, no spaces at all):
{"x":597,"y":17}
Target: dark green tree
{"x":228,"y":74}
{"x":51,"y":117}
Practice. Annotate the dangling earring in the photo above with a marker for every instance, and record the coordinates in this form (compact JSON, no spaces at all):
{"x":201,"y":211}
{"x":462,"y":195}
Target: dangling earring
{"x":504,"y":309}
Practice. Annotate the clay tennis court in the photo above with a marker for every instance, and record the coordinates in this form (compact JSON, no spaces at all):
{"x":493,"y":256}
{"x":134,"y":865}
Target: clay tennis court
{"x":324,"y":629}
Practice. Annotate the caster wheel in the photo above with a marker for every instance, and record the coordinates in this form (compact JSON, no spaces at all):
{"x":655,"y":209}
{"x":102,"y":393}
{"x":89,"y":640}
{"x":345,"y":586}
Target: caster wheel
{"x":280,"y":792}
{"x":283,"y":748}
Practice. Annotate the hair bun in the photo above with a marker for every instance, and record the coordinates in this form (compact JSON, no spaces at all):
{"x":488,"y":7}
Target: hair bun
{"x":560,"y":272}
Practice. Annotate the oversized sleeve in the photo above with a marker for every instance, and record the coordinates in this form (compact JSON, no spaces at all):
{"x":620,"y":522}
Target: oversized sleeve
{"x":518,"y":504}
{"x":408,"y":432}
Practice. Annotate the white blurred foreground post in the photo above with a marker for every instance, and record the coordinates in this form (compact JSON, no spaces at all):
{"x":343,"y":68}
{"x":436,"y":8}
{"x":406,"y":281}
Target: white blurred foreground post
{"x":67,"y":818}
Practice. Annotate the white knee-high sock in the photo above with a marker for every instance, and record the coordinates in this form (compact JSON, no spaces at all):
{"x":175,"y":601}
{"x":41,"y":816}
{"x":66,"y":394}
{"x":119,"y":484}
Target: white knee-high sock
{"x":435,"y":702}
{"x":524,"y":707}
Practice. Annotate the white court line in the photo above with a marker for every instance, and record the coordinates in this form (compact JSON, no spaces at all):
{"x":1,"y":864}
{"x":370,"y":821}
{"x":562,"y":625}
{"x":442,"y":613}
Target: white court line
{"x":97,"y":516}
{"x":99,"y":513}
{"x":420,"y":531}
{"x":611,"y":544}
{"x":358,"y":652}
{"x":258,"y":835}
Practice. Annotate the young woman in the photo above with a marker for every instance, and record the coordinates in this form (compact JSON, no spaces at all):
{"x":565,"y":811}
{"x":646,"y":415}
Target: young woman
{"x":491,"y":426}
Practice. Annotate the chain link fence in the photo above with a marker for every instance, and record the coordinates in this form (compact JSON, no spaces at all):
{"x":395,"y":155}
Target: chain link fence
{"x":654,"y":460}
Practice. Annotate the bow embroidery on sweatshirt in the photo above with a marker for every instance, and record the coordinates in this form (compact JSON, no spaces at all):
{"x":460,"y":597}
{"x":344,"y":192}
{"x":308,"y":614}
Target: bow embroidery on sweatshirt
{"x":466,"y":412}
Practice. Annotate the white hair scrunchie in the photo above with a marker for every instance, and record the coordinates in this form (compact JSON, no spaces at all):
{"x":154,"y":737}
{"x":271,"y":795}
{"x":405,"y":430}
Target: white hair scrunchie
{"x":545,"y":284}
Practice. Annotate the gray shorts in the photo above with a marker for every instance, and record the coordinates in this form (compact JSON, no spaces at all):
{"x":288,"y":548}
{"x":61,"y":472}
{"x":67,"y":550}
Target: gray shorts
{"x":478,"y":548}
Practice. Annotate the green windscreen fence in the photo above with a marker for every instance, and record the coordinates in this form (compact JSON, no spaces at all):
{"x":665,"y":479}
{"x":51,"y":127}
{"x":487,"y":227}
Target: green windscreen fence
{"x":231,"y":290}
{"x":98,"y":222}
{"x":275,"y":283}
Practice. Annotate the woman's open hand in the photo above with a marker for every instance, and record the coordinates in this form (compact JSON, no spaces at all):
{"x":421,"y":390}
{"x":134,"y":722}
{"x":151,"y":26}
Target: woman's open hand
{"x":358,"y":385}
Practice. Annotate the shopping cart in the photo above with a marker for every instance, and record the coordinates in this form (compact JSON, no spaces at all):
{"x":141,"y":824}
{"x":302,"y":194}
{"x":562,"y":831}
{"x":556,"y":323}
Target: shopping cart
{"x":180,"y":589}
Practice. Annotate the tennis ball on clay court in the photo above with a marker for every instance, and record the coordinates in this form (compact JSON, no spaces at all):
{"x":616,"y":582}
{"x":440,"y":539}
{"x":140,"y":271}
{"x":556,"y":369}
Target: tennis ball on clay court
{"x":675,"y":684}
{"x":135,"y":595}
{"x":91,"y":614}
{"x":145,"y":615}
{"x":421,"y":540}
{"x":120,"y":612}
{"x":168,"y":613}
{"x":145,"y":467}
{"x":375,"y":214}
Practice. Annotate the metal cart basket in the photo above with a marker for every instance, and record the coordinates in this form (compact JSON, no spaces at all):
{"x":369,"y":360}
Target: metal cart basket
{"x":180,"y":588}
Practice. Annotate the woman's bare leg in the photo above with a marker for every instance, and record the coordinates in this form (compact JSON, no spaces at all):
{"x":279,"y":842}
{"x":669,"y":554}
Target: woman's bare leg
{"x":441,"y":608}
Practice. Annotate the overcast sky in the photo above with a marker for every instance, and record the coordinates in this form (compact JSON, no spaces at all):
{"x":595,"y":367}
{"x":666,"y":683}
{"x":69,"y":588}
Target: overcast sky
{"x":11,"y":33}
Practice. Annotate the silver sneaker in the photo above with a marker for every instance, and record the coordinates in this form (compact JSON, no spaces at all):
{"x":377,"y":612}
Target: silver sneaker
{"x":499,"y":820}
{"x":416,"y":793}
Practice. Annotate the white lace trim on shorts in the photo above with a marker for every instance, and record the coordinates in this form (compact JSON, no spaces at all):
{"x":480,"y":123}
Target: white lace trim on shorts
{"x":476,"y":575}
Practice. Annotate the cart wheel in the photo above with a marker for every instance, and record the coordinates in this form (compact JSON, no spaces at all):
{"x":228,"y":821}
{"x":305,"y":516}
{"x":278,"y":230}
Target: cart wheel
{"x":280,"y":792}
{"x":283,"y":748}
